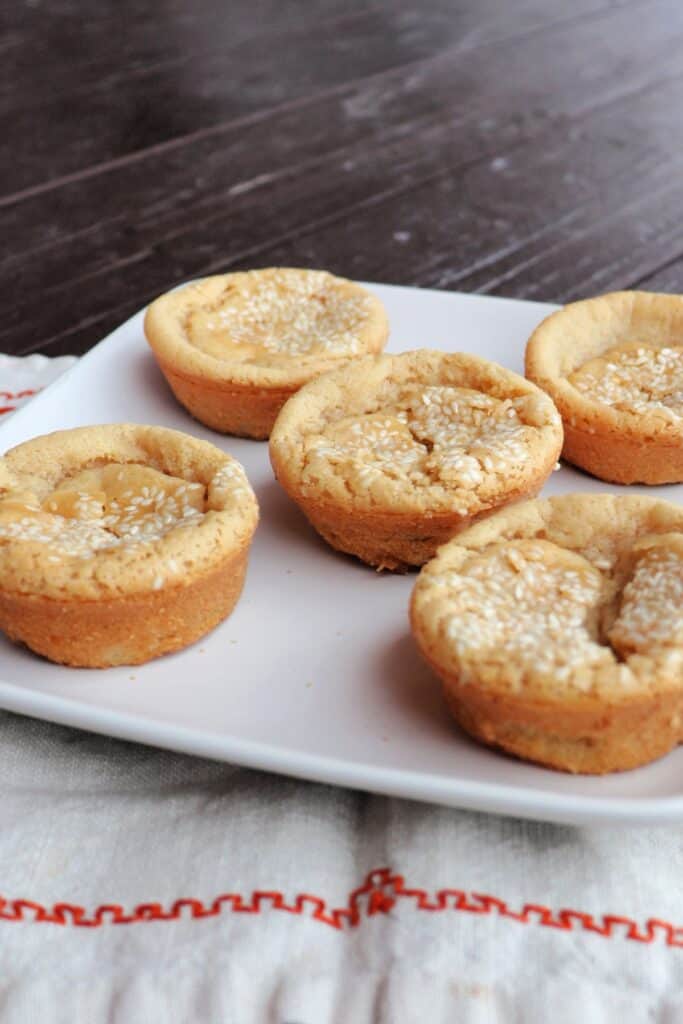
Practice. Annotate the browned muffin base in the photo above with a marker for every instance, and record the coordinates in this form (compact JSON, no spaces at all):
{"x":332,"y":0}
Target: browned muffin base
{"x":590,"y":737}
{"x":240,"y":410}
{"x":612,"y":456}
{"x":100,"y":634}
{"x":393,"y":541}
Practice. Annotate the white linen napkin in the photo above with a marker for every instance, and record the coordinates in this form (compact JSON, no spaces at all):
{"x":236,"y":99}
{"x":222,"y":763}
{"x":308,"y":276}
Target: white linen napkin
{"x":139,"y":885}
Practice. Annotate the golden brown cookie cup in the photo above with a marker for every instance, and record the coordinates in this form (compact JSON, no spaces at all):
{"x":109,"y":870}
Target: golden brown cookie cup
{"x":406,"y":531}
{"x":124,"y":604}
{"x":598,"y":726}
{"x":613,"y":445}
{"x":243,"y":396}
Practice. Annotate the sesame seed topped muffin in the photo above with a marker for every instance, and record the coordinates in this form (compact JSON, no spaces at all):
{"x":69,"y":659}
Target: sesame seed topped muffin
{"x":613,"y":365}
{"x":391,"y":456}
{"x":556,"y":628}
{"x":234,"y":347}
{"x":120,"y":543}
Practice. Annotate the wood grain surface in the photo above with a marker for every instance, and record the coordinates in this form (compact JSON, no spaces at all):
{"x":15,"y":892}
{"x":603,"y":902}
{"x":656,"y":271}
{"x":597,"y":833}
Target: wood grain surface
{"x":528,"y":148}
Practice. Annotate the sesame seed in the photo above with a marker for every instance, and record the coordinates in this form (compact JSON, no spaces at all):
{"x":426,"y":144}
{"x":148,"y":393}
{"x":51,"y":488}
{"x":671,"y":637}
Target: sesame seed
{"x":639,"y":380}
{"x":524,"y":604}
{"x":436,"y":434}
{"x":651,"y":612}
{"x":76,"y":524}
{"x":512,"y":604}
{"x":286,"y":313}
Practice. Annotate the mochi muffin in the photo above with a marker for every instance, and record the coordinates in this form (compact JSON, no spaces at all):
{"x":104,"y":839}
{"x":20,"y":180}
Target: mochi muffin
{"x":613,"y":365}
{"x":556,"y":628}
{"x":120,"y":543}
{"x":235,"y":347}
{"x":390,"y":456}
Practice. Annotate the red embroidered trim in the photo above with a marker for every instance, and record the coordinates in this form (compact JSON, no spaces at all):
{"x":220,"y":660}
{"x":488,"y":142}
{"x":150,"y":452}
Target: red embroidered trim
{"x":15,"y":396}
{"x":379,"y":894}
{"x":12,"y":396}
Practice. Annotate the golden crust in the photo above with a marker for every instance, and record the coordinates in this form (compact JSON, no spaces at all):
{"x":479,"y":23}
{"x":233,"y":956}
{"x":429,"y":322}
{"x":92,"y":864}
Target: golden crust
{"x":393,"y":455}
{"x":395,"y":541}
{"x":591,"y":740}
{"x":126,"y":630}
{"x":244,"y":411}
{"x":617,"y":444}
{"x":234,"y":347}
{"x":592,"y":679}
{"x":98,"y":591}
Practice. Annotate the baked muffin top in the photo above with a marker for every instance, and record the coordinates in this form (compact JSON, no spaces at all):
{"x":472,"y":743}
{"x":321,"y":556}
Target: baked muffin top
{"x":278,"y":326}
{"x":614,"y":361}
{"x":423,"y":431}
{"x":579,"y":594}
{"x":118,"y":509}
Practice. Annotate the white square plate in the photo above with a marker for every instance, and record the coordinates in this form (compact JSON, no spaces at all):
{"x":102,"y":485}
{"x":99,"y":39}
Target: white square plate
{"x":315,"y":673}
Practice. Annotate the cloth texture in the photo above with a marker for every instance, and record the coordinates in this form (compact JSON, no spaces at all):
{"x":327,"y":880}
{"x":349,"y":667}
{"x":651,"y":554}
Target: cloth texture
{"x":144,"y":886}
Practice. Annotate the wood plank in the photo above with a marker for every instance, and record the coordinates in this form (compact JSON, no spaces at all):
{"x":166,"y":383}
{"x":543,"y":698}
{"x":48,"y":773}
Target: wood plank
{"x":377,"y":180}
{"x":597,"y":228}
{"x":116,"y":113}
{"x":665,"y":278}
{"x":103,"y":52}
{"x":128,"y":263}
{"x":587,"y":227}
{"x":280,"y":141}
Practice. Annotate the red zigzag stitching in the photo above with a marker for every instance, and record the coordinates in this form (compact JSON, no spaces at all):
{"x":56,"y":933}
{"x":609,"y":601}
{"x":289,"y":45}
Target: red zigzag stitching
{"x":379,"y":894}
{"x":13,"y":396}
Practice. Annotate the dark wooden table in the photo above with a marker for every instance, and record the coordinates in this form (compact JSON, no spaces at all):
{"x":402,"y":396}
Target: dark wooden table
{"x":521,"y":147}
